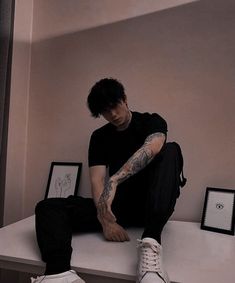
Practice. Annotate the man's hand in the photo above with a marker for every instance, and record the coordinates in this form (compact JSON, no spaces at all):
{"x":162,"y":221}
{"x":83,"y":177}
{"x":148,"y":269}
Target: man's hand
{"x":104,"y":204}
{"x":114,"y":232}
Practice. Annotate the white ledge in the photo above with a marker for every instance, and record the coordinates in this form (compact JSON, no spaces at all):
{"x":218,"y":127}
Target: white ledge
{"x":191,"y":255}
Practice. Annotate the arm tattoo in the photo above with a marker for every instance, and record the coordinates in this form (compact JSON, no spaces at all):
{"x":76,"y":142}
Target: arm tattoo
{"x":106,"y":192}
{"x":139,"y":160}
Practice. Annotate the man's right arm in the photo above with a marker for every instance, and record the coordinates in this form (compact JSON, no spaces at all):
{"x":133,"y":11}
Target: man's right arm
{"x":97,"y":178}
{"x":112,"y":231}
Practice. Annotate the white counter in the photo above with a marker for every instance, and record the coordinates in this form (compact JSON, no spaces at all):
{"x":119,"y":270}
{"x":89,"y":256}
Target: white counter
{"x":191,"y":255}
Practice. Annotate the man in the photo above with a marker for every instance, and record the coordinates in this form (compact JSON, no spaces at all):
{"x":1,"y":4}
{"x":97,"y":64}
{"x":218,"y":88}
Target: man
{"x":135,"y":179}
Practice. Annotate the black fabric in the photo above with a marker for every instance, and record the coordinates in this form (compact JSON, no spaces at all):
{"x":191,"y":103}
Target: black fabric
{"x":56,"y":220}
{"x":113,"y":148}
{"x":163,"y":184}
{"x":148,"y":206}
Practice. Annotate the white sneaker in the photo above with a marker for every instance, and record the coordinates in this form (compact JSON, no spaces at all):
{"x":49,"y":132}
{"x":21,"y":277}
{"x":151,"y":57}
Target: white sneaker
{"x":150,"y":268}
{"x":65,"y":277}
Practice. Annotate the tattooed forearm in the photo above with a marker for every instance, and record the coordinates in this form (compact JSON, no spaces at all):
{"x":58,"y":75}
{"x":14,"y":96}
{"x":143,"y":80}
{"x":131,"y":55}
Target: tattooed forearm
{"x":139,"y":160}
{"x":106,"y":192}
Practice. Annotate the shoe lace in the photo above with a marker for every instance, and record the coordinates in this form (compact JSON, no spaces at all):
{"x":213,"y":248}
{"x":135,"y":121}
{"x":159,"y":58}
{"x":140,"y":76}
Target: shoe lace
{"x":150,"y":257}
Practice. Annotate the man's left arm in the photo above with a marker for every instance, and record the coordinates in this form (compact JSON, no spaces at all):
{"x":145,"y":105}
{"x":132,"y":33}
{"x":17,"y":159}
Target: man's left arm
{"x":138,"y":161}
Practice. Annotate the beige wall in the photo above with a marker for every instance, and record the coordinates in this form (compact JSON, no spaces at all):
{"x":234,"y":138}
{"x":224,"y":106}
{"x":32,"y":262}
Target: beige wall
{"x":59,"y":17}
{"x":177,"y":62}
{"x":54,"y":17}
{"x":18,"y":116}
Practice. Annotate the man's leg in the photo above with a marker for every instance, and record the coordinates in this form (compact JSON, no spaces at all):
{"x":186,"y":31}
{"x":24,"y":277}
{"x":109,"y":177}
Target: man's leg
{"x":163,"y":191}
{"x":56,"y":220}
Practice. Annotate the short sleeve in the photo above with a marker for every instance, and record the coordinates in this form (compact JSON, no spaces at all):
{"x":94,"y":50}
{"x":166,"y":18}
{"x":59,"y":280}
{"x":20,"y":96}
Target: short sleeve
{"x":154,"y":123}
{"x":147,"y":124}
{"x":96,"y":153}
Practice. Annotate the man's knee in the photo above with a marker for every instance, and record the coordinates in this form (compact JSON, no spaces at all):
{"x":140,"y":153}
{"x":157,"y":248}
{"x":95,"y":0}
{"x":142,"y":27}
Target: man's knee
{"x":172,"y":151}
{"x":45,"y":205}
{"x":40,"y":207}
{"x":171,"y":148}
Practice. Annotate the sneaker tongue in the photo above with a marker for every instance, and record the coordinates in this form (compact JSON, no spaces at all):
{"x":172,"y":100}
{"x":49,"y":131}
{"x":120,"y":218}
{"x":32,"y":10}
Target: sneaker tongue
{"x":151,"y":241}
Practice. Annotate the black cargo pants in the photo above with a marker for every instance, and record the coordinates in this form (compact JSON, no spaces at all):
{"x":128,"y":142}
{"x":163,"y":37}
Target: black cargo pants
{"x":58,"y":218}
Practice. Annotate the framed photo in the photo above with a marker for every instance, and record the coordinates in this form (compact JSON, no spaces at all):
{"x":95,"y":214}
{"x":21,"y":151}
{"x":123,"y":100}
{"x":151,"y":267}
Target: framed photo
{"x":219,"y":211}
{"x":64,"y":178}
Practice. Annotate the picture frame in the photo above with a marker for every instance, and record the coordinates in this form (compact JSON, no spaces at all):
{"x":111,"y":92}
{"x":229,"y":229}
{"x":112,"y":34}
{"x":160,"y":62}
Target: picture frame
{"x":63,"y":180}
{"x":219,"y":211}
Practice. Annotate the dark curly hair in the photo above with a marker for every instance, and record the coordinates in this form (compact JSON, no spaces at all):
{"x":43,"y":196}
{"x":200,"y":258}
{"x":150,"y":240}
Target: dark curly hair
{"x":104,"y":95}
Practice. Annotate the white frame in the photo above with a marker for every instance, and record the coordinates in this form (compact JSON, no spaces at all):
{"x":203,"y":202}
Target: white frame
{"x":219,"y":211}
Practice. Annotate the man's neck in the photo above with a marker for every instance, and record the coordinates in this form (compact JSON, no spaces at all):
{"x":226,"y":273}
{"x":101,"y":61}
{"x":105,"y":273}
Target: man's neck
{"x":125,"y":125}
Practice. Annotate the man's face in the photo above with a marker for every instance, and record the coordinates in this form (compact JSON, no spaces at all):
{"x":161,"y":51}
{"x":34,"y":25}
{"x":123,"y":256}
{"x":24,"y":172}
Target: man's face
{"x":118,"y":115}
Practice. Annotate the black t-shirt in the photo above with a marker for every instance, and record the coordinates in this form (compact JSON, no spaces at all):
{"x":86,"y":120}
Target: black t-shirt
{"x":113,"y":148}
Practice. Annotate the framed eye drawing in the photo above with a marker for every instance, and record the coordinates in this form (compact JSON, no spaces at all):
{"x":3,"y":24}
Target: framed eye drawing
{"x":219,"y":211}
{"x":63,"y":180}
